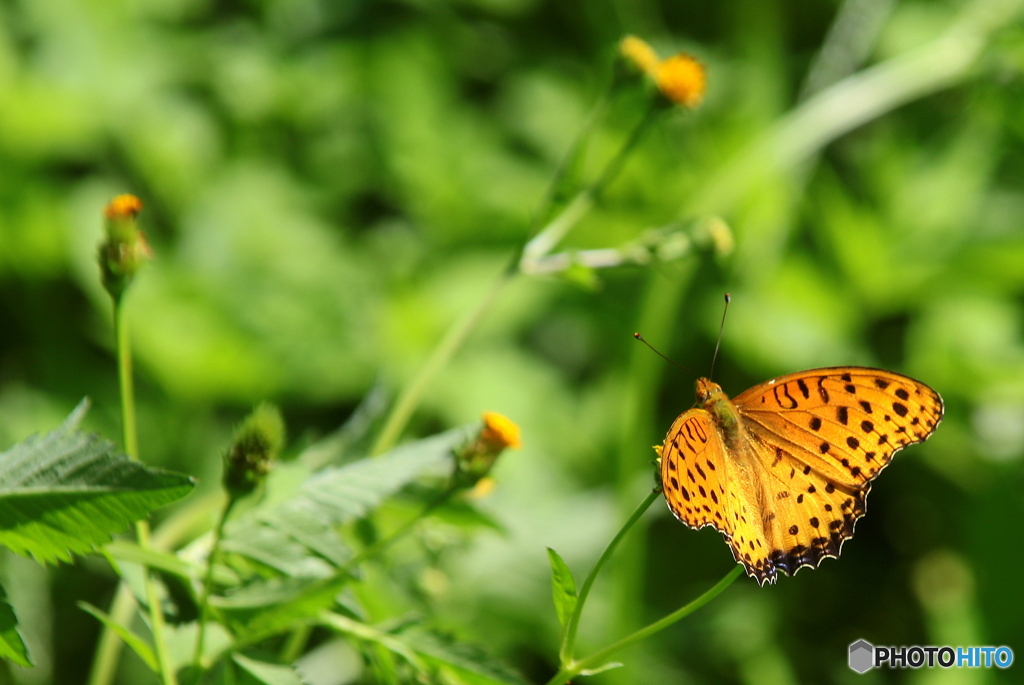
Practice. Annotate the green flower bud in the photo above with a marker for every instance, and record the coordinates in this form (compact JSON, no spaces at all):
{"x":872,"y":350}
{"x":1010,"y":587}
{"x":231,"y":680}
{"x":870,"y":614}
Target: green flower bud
{"x":257,"y":442}
{"x":125,"y":249}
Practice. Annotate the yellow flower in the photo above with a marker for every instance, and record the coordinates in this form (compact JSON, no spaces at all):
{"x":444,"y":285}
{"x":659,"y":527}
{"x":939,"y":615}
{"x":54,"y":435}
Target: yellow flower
{"x":639,"y":53}
{"x":681,"y":79}
{"x":500,"y":430}
{"x":123,"y":207}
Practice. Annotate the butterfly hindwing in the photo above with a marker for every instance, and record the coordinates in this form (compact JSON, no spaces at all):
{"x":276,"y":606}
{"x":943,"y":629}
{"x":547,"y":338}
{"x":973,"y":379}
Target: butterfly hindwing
{"x":809,"y":516}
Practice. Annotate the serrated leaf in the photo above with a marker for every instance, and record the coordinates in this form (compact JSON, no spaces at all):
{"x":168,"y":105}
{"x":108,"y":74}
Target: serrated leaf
{"x":467,"y":659}
{"x":123,"y":550}
{"x":465,"y":515}
{"x":263,"y":593}
{"x":66,"y":492}
{"x":563,"y":587}
{"x":428,"y":652}
{"x":12,"y":646}
{"x":342,"y":444}
{"x":296,"y":536}
{"x":138,"y":645}
{"x":268,"y":674}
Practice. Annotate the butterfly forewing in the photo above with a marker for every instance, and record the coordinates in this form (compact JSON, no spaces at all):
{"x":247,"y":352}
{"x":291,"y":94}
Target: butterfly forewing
{"x":845,"y":422}
{"x":702,"y":489}
{"x":693,"y":473}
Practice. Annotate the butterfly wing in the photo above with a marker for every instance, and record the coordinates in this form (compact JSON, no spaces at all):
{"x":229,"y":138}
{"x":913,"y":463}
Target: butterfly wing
{"x":702,"y":488}
{"x":846,"y":422}
{"x":822,"y":436}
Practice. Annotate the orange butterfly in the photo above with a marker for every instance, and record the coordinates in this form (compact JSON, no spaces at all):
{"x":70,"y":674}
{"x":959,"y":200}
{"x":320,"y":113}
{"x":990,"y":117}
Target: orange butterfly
{"x":783,"y":470}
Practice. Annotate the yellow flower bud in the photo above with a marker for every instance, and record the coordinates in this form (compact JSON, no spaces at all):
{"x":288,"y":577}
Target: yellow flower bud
{"x":681,"y":79}
{"x":125,"y":249}
{"x":476,"y":459}
{"x":500,"y":431}
{"x":123,"y":206}
{"x":639,"y":53}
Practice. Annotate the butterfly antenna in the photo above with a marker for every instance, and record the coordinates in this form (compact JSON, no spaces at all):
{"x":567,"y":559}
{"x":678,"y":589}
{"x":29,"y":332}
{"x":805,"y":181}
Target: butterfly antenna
{"x":721,"y":329}
{"x":644,"y":341}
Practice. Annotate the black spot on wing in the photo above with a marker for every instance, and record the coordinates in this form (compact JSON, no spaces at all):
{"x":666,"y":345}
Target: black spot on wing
{"x":803,"y":388}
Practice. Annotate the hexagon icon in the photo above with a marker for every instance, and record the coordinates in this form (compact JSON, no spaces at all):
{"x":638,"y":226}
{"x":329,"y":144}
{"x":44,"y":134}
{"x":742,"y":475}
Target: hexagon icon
{"x":862,"y":656}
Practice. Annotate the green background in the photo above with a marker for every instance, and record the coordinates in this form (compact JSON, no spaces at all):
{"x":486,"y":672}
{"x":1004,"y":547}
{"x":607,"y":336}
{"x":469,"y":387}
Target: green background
{"x":329,"y":185}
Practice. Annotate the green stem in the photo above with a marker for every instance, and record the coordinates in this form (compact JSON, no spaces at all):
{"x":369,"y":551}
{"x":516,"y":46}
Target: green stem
{"x":129,"y":438}
{"x":658,"y":311}
{"x":129,"y":435}
{"x":204,"y":599}
{"x":573,"y":152}
{"x":569,"y":638}
{"x":379,"y":546}
{"x":104,"y":665}
{"x":537,"y":247}
{"x":556,"y":229}
{"x":407,"y":402}
{"x":573,"y":669}
{"x":611,"y":171}
{"x":295,"y":644}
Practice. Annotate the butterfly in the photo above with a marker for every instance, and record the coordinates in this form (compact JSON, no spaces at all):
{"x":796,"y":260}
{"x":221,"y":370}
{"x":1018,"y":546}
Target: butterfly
{"x":784,"y":469}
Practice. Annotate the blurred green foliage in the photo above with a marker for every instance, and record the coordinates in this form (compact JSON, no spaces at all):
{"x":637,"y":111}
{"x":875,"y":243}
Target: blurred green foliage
{"x":329,"y":185}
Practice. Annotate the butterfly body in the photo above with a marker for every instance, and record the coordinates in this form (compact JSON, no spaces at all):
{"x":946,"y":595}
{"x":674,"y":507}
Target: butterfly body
{"x":784,"y":469}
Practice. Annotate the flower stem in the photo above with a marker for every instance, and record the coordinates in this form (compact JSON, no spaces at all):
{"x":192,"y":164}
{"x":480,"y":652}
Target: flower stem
{"x":129,"y":438}
{"x":574,"y":668}
{"x":410,"y":398}
{"x":379,"y":546}
{"x":537,"y":247}
{"x":570,"y":156}
{"x":129,"y":435}
{"x":104,"y":665}
{"x":555,"y":230}
{"x":569,"y":637}
{"x":204,"y":599}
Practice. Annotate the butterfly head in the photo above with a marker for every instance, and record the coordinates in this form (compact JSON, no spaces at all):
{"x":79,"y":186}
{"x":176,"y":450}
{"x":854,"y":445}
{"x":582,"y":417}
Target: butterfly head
{"x":708,"y":392}
{"x":711,"y":398}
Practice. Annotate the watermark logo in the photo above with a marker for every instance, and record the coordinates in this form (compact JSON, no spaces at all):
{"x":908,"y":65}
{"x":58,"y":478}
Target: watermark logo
{"x":864,"y":656}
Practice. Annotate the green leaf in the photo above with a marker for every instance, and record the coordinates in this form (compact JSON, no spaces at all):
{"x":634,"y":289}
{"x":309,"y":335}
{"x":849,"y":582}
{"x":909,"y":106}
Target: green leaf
{"x":296,"y":536}
{"x":269,"y":674}
{"x":332,"y":497}
{"x":138,"y":645}
{"x":12,"y":646}
{"x":66,"y":492}
{"x":263,"y":593}
{"x":468,"y":660}
{"x":368,"y":633}
{"x":563,"y":587}
{"x":123,"y":550}
{"x":344,"y":443}
{"x":428,"y":652}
